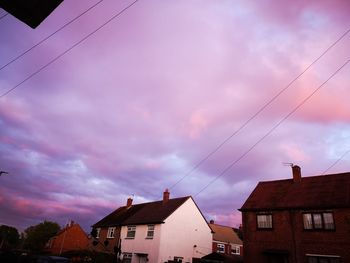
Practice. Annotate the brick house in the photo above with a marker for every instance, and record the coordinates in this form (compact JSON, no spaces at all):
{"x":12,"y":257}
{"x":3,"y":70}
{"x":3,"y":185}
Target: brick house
{"x":304,"y":219}
{"x":169,"y":230}
{"x":226,"y":240}
{"x":72,"y":237}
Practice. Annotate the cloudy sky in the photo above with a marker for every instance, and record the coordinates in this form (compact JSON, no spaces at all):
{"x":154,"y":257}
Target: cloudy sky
{"x":157,"y":98}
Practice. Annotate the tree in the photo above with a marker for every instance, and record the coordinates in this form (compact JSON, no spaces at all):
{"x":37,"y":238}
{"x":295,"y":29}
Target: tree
{"x":37,"y":236}
{"x":9,"y":237}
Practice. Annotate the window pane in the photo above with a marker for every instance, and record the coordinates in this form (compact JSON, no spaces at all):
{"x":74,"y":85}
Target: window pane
{"x":131,"y":232}
{"x":328,"y":220}
{"x":264,"y":221}
{"x":317,"y":221}
{"x":307,"y":219}
{"x":221,"y":248}
{"x":235,"y":250}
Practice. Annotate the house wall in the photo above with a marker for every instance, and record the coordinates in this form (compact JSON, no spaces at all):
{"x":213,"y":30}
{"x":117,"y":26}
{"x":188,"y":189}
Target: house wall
{"x":73,"y":238}
{"x":112,"y":242}
{"x":185,"y":234}
{"x":288,"y":234}
{"x":140,"y":244}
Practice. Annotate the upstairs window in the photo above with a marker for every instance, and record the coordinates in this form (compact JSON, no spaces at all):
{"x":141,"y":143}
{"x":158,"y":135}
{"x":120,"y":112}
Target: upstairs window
{"x":150,"y":231}
{"x":111,"y":232}
{"x":264,"y":221}
{"x":98,"y":231}
{"x":131,"y":232}
{"x":318,"y":221}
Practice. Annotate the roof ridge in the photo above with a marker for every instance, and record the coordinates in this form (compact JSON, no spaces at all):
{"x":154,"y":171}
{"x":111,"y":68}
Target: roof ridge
{"x":152,"y":202}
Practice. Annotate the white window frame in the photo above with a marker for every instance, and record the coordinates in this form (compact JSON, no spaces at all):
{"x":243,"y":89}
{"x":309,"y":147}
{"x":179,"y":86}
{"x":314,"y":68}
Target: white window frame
{"x":235,"y":250}
{"x":150,"y":231}
{"x":98,"y":232}
{"x":178,"y":259}
{"x":131,"y":232}
{"x":111,"y":232}
{"x":220,"y":248}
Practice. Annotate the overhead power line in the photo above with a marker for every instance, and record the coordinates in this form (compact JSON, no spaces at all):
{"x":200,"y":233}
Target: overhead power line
{"x":69,"y":49}
{"x":337,"y":161}
{"x":3,"y":16}
{"x":258,"y":112}
{"x":49,"y":36}
{"x":271,"y":130}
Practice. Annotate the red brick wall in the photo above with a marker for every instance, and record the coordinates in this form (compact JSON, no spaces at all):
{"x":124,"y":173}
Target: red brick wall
{"x":288,"y":234}
{"x":112,"y":242}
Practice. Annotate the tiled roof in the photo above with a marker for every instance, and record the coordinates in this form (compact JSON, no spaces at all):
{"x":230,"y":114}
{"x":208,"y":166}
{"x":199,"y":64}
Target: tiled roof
{"x":318,"y":192}
{"x":139,"y":214}
{"x":225,"y":234}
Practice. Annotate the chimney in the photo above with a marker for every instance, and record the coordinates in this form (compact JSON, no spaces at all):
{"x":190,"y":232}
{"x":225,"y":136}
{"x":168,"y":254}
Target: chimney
{"x":166,"y":196}
{"x":129,"y":202}
{"x":211,"y":221}
{"x":296,"y":173}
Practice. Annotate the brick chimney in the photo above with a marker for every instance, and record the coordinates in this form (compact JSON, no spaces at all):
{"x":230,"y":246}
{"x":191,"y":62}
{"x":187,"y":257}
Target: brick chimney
{"x":296,"y":173}
{"x":166,"y":196}
{"x":129,"y":202}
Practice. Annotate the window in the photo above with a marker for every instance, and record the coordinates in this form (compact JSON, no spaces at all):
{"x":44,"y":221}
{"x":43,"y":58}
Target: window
{"x":318,"y":221}
{"x":220,"y":248}
{"x":127,"y":257}
{"x":150,"y":231}
{"x":178,"y":259}
{"x":111,"y":232}
{"x":131,"y":232}
{"x":98,"y":231}
{"x":235,"y":250}
{"x":323,"y":259}
{"x":264,"y":221}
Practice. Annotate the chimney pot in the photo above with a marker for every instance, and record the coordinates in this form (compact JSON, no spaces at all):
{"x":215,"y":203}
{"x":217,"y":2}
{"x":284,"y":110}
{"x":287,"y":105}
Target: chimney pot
{"x":296,"y":173}
{"x":166,"y":196}
{"x":129,"y":202}
{"x":211,"y":221}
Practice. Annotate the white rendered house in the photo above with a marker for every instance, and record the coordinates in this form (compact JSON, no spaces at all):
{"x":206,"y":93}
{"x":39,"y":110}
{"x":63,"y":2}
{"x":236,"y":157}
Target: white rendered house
{"x":162,"y":231}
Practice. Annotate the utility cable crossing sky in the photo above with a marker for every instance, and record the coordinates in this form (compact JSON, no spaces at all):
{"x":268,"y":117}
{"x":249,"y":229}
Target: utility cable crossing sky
{"x":279,"y":93}
{"x":271,"y":130}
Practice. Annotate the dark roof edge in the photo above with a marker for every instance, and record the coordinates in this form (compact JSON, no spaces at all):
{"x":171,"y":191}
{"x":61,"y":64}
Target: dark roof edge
{"x":303,"y":177}
{"x":293,"y":208}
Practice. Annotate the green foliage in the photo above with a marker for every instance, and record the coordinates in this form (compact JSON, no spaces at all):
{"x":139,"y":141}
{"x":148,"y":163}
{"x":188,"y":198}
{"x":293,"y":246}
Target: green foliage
{"x":37,"y":236}
{"x":9,"y":237}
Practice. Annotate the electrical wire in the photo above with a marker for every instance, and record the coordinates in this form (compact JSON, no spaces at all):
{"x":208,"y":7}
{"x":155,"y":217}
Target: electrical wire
{"x":3,"y":16}
{"x":271,"y":130}
{"x":49,"y":36}
{"x":259,"y":111}
{"x":69,"y":49}
{"x":337,"y":161}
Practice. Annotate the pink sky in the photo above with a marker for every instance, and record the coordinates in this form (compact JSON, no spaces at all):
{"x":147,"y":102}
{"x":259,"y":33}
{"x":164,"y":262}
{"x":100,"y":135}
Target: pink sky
{"x":136,"y":106}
